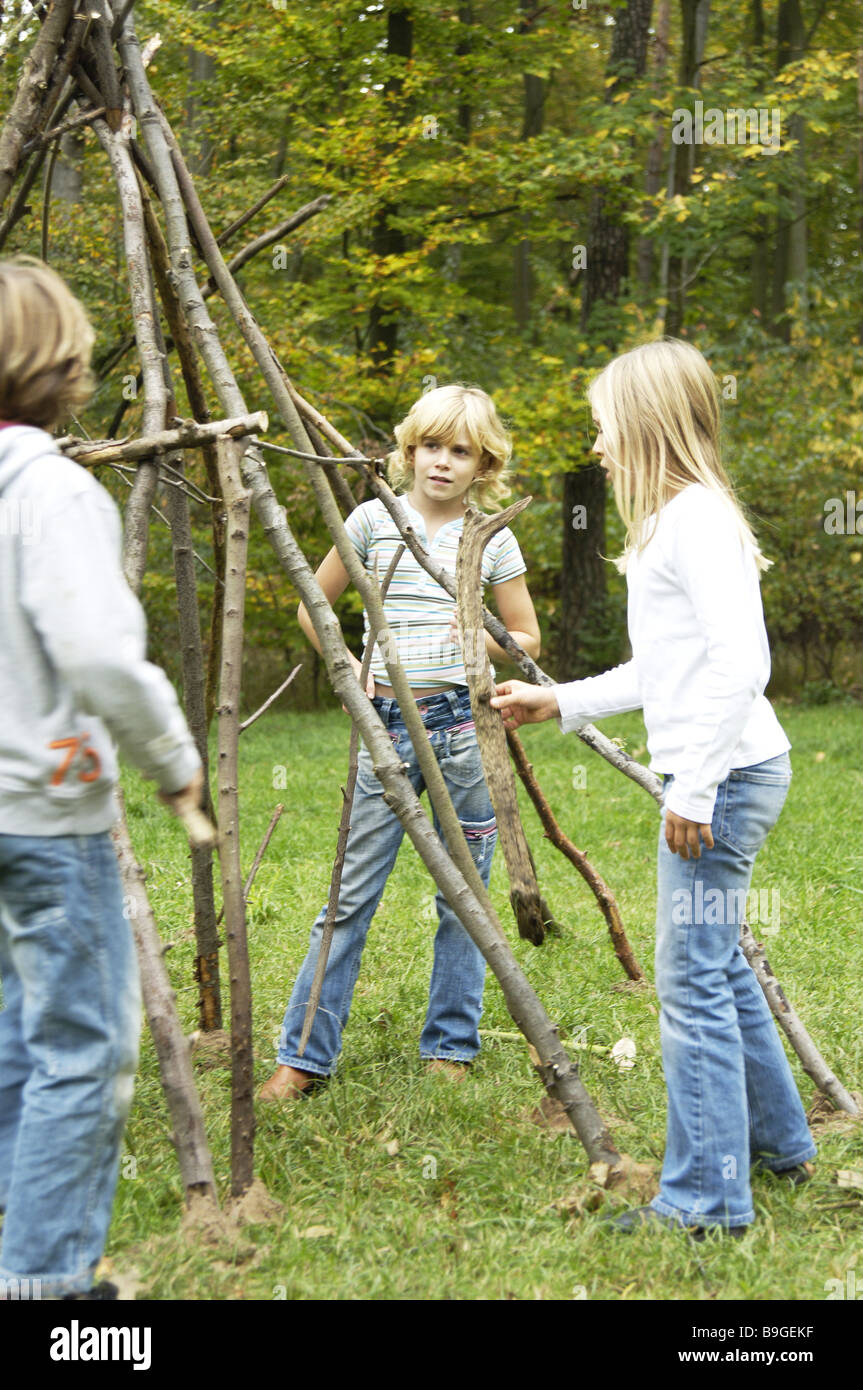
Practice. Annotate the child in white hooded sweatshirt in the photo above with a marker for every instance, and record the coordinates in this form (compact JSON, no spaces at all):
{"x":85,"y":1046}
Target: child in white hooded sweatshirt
{"x":73,"y":679}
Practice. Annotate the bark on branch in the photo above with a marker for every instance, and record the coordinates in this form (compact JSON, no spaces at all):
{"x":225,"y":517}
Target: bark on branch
{"x":29,"y":110}
{"x":242,"y":1062}
{"x":189,"y":435}
{"x":142,"y":293}
{"x":603,"y":894}
{"x":529,"y":907}
{"x":172,"y":1048}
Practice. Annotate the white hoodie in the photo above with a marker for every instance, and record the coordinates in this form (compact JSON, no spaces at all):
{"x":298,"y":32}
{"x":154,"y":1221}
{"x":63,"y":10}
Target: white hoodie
{"x":700,"y":658}
{"x":73,"y":673}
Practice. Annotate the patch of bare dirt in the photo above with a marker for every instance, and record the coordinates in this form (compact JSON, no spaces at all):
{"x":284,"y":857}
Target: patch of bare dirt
{"x":637,"y":1183}
{"x":823,"y":1115}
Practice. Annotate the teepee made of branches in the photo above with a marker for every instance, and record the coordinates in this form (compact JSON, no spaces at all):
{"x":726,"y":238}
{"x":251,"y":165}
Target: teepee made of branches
{"x":86,"y":67}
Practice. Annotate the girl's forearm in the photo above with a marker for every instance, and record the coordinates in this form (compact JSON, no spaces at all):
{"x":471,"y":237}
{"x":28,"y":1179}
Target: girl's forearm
{"x":530,"y":641}
{"x":305,"y":623}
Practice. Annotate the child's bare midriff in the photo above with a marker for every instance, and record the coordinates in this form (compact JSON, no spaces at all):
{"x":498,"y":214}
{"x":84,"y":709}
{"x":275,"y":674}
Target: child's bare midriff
{"x":386,"y":692}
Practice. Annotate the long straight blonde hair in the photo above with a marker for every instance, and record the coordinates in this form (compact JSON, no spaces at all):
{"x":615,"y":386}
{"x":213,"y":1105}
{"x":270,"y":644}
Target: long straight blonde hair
{"x":657,"y":407}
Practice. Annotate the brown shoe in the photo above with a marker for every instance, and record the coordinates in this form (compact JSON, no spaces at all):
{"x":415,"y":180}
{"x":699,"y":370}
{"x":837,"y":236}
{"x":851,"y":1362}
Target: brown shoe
{"x":456,"y":1071}
{"x":287,"y":1083}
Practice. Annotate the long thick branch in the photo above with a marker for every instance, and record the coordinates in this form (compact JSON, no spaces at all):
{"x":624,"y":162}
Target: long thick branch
{"x":172,"y":1048}
{"x":142,"y":291}
{"x":787,"y":1017}
{"x":189,"y":435}
{"x":529,"y":907}
{"x":28,"y":111}
{"x":242,"y":1062}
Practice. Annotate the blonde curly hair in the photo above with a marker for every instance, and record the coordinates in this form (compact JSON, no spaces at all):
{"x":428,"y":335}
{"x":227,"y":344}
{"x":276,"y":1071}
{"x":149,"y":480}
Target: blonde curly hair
{"x":442,"y":414}
{"x":46,"y":342}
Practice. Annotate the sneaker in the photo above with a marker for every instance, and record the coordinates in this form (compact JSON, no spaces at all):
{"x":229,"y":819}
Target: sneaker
{"x":637,"y":1217}
{"x":105,"y":1290}
{"x":798,"y":1175}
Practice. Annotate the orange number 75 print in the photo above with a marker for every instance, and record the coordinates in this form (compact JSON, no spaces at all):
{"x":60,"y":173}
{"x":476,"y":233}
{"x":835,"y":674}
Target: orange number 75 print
{"x":73,"y":747}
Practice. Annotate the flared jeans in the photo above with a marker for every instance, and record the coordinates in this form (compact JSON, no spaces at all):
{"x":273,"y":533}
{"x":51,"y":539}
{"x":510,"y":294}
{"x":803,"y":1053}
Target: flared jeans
{"x":732,"y":1100}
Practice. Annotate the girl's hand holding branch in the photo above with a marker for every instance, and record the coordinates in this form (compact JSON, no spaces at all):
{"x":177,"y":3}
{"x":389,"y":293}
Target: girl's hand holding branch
{"x":520,"y":703}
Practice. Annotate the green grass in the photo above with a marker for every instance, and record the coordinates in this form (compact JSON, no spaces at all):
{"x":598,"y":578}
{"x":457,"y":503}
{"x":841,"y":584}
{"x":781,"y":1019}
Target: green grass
{"x":466,"y":1206}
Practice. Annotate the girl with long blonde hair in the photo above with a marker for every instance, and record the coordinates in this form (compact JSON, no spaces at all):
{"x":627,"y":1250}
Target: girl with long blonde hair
{"x":700,"y":664}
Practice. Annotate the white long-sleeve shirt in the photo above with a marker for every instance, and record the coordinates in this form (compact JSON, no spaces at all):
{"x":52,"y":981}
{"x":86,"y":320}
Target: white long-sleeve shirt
{"x":700,"y":659}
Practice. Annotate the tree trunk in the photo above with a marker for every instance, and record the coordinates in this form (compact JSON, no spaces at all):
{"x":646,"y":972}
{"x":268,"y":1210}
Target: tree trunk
{"x":388,"y":240}
{"x":583,"y":590}
{"x":759,"y":269}
{"x":653,"y":174}
{"x":532,"y":123}
{"x":790,"y":260}
{"x":694,"y":16}
{"x":201,"y":69}
{"x":860,"y":148}
{"x":582,"y":577}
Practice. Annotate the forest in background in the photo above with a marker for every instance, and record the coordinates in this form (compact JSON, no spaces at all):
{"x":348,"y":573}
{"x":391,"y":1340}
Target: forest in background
{"x":503,"y":203}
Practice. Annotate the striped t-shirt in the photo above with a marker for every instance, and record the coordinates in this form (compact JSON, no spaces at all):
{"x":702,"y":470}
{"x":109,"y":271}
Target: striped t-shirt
{"x":418,"y":611}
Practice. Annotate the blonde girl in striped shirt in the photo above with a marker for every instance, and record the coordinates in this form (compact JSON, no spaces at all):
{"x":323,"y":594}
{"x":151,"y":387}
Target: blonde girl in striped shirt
{"x":452,"y":449}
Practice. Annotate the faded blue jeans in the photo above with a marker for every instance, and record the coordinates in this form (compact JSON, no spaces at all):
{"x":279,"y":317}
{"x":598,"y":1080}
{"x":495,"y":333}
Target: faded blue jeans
{"x":732,"y":1100}
{"x":68,"y":1051}
{"x":458,"y":975}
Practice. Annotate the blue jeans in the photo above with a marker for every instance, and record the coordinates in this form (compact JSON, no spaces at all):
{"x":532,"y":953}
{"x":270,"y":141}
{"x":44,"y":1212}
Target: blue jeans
{"x":732,"y":1099}
{"x":68,"y":1051}
{"x":458,"y":975}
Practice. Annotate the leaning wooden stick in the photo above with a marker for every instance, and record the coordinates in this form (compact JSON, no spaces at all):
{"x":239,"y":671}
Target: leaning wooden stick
{"x":271,"y":700}
{"x":256,"y":862}
{"x":189,"y":1135}
{"x":229,"y":453}
{"x":603,"y":894}
{"x":813,"y":1063}
{"x":344,"y":831}
{"x":530,"y":908}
